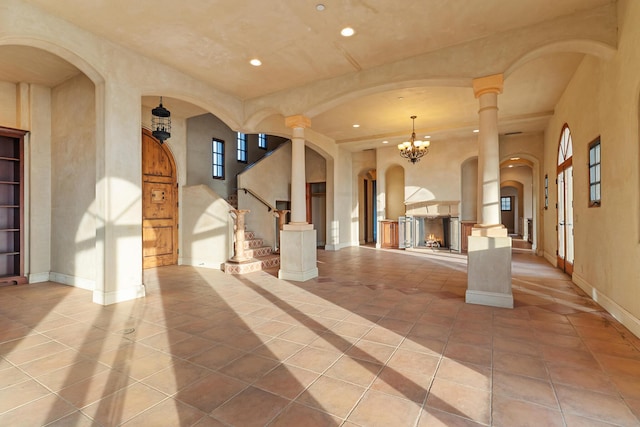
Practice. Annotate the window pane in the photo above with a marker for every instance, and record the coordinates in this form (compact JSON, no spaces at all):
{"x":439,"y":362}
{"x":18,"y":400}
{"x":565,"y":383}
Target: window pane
{"x":242,"y":147}
{"x":217,"y":158}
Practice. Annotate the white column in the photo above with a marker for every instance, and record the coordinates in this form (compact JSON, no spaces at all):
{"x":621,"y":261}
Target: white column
{"x":486,"y":89}
{"x":298,"y":175}
{"x":489,"y":249}
{"x":298,"y":258}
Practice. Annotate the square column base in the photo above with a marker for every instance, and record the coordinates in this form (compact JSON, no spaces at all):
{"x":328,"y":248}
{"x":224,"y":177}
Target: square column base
{"x":489,"y":271}
{"x":298,"y":256}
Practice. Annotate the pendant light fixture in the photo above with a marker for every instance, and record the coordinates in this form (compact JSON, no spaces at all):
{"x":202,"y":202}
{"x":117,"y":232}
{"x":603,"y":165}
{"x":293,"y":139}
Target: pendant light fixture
{"x":161,"y":123}
{"x":413,"y":149}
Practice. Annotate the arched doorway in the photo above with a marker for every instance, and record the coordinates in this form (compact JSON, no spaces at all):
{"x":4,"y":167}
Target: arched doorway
{"x":160,"y":204}
{"x":565,"y":201}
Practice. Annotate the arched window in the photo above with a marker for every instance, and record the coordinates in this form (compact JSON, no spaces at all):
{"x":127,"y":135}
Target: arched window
{"x":565,"y":201}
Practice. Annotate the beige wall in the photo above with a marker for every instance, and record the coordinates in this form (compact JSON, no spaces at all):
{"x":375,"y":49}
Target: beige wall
{"x":206,"y":228}
{"x":602,"y":99}
{"x":8,"y":105}
{"x":73,"y":184}
{"x":38,"y":177}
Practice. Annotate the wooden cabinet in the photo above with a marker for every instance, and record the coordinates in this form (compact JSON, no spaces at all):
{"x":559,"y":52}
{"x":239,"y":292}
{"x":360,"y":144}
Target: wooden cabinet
{"x":11,"y":206}
{"x":465,"y":232}
{"x":389,"y":232}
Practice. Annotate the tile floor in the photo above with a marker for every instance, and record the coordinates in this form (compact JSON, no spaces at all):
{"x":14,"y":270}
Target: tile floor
{"x":380,"y":338}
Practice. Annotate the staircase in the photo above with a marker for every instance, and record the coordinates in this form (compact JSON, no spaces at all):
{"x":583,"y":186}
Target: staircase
{"x":262,"y":257}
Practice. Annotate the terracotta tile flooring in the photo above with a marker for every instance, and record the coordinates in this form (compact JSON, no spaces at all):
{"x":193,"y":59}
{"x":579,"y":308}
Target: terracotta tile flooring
{"x":380,"y":338}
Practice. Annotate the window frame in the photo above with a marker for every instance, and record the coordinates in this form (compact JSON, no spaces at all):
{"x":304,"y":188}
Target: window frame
{"x":242,"y":152}
{"x":595,"y":172}
{"x":217,"y":158}
{"x":262,"y":141}
{"x":502,"y":203}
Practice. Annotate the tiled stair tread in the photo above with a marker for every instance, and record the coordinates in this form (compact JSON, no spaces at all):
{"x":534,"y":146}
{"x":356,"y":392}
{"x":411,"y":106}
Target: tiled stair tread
{"x":258,"y":252}
{"x":258,"y":264}
{"x":253,"y":243}
{"x":262,"y":256}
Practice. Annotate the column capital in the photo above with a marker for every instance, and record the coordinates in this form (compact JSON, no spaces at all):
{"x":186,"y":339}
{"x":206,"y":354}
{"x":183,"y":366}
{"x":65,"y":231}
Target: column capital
{"x":297,"y":121}
{"x":488,"y":84}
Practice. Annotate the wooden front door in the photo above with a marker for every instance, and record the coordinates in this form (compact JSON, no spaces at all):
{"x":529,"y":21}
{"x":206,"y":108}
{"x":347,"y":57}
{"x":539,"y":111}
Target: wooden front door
{"x":160,"y":204}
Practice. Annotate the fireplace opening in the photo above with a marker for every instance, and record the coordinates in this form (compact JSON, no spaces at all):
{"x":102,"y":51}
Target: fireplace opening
{"x":432,"y":232}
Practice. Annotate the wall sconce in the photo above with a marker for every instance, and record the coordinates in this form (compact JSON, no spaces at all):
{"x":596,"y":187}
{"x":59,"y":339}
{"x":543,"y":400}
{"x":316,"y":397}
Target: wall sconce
{"x":161,"y":123}
{"x":546,"y":191}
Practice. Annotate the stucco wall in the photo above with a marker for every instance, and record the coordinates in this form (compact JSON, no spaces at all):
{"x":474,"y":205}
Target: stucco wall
{"x":73,"y":226}
{"x":602,"y":99}
{"x":201,"y":130}
{"x":38,"y":172}
{"x":8,"y":105}
{"x":207,"y":228}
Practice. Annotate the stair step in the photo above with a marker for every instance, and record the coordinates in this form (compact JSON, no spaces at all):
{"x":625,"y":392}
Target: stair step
{"x":258,"y":252}
{"x":257,"y":264}
{"x":253,"y":243}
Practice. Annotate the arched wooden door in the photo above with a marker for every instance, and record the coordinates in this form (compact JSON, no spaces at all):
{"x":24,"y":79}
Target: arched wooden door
{"x":565,"y":202}
{"x":160,"y":204}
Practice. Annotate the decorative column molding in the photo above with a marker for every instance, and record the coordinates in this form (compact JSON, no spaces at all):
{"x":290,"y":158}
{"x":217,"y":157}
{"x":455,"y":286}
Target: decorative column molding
{"x":486,"y":89}
{"x":298,"y":176}
{"x":281,"y":214}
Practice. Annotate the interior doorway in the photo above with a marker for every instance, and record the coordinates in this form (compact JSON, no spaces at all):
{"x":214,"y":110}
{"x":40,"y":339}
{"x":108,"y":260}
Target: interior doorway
{"x":565,"y":202}
{"x":160,"y":204}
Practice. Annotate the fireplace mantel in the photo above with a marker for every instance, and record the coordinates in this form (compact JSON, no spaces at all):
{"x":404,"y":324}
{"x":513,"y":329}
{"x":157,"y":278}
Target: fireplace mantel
{"x":432,"y":208}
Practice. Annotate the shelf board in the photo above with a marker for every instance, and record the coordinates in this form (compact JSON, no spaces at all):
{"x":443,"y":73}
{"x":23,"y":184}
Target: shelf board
{"x":9,"y":253}
{"x":10,"y":182}
{"x":12,"y":159}
{"x":9,"y":206}
{"x":9,"y":229}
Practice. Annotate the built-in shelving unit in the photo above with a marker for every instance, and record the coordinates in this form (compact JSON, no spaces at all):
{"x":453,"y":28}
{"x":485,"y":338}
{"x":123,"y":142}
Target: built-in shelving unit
{"x":11,"y":206}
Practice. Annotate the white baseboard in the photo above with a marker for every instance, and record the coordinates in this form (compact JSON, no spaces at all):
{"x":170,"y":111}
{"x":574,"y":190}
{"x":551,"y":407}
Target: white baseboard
{"x":492,"y":299}
{"x":74,"y":281}
{"x":194,"y":262}
{"x":340,"y":246}
{"x":619,"y":313}
{"x":107,"y":298}
{"x":39,"y":277}
{"x":553,"y":259}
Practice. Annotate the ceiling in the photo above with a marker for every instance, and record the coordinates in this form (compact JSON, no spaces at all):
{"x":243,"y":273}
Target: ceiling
{"x":299,"y":45}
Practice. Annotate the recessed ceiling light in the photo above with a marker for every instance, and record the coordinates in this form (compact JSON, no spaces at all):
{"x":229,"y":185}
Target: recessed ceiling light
{"x":347,"y":32}
{"x":356,"y":125}
{"x":476,"y":130}
{"x":385,"y":142}
{"x":515,"y":158}
{"x":320,"y":7}
{"x":255,"y":62}
{"x":510,"y":166}
{"x":427,"y":136}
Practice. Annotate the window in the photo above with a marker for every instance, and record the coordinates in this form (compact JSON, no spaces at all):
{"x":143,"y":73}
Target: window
{"x":262,"y":141}
{"x":505,"y":203}
{"x":594,"y":173}
{"x":217,"y":158}
{"x":242,"y":147}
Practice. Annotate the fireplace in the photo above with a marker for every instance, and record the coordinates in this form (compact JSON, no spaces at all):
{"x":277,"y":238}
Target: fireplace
{"x":439,"y":232}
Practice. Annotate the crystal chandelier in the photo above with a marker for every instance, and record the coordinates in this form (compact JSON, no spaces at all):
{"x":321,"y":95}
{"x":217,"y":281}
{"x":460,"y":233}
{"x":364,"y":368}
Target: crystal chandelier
{"x":413,"y":149}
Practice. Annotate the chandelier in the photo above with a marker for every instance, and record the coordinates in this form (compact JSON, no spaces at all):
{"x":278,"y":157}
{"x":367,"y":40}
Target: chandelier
{"x":413,"y":149}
